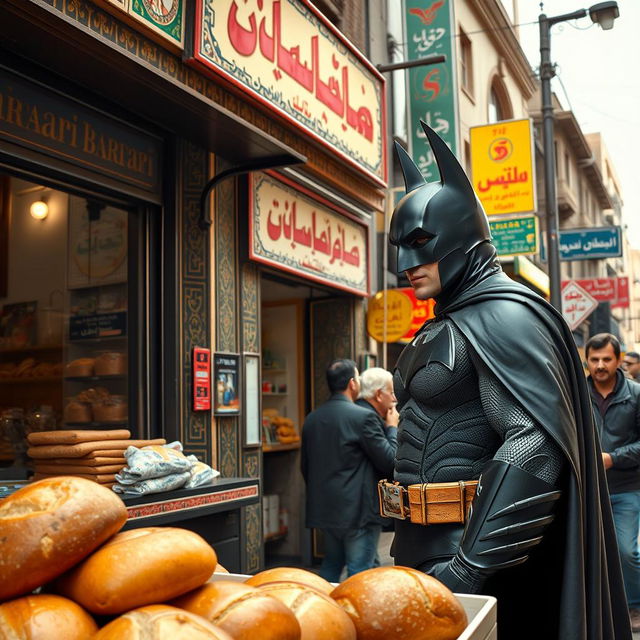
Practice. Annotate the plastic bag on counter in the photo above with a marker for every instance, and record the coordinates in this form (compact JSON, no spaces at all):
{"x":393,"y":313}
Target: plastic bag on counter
{"x":153,"y":461}
{"x":153,"y":485}
{"x":201,"y":474}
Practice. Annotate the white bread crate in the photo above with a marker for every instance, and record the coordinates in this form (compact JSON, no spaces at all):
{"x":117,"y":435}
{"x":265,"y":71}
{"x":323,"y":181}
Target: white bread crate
{"x":480,"y":610}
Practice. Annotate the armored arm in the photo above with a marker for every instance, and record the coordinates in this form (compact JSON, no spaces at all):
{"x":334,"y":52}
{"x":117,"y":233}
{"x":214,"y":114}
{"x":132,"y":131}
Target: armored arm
{"x":515,"y":498}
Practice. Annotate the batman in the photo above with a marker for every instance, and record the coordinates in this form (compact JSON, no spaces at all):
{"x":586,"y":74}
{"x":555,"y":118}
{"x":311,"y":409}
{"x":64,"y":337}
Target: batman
{"x":492,"y":389}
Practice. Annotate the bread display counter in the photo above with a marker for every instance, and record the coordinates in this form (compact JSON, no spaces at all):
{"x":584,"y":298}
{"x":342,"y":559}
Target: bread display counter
{"x":93,"y":570}
{"x":213,"y":511}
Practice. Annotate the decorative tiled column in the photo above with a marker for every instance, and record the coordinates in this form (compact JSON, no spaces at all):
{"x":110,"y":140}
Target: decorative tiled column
{"x":193,"y":296}
{"x":251,"y":457}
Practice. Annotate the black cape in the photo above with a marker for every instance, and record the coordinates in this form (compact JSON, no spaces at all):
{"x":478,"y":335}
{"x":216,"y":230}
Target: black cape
{"x":527,"y":344}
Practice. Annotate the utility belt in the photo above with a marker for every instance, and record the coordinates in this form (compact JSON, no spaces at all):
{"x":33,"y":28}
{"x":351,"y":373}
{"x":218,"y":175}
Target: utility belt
{"x":430,"y":503}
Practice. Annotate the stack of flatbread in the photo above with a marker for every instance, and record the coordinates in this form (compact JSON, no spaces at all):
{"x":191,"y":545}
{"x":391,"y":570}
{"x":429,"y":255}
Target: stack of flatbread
{"x":95,"y":455}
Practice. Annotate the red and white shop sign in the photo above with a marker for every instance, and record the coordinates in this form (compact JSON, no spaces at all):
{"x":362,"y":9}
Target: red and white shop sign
{"x":295,"y":230}
{"x":613,"y":290}
{"x":289,"y":57}
{"x":577,"y":304}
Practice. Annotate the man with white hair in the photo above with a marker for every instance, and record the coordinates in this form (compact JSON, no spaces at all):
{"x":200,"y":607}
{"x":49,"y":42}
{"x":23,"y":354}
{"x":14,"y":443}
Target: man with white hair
{"x":376,"y":393}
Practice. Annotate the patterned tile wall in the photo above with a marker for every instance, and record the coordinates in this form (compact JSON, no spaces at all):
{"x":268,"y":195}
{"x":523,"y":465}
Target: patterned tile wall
{"x":194,"y":295}
{"x":332,"y":337}
{"x":226,"y":308}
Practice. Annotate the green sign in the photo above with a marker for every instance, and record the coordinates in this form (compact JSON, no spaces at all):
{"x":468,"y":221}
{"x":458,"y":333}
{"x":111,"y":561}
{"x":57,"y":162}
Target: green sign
{"x":165,"y":18}
{"x":515,"y":236}
{"x":431,"y":89}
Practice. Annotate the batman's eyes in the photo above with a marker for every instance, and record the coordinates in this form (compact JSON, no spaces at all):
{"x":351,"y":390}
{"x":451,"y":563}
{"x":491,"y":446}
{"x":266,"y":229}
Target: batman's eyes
{"x":419,"y":241}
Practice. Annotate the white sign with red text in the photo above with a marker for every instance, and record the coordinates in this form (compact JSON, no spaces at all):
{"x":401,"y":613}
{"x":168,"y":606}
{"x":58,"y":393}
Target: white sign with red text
{"x":294,"y":229}
{"x":612,"y":290}
{"x":577,"y":304}
{"x":290,"y":58}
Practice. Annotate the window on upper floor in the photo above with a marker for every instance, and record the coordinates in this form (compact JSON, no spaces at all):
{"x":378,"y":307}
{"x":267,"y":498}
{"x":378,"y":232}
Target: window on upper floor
{"x":567,"y":168}
{"x":499,"y":107}
{"x":466,"y":63}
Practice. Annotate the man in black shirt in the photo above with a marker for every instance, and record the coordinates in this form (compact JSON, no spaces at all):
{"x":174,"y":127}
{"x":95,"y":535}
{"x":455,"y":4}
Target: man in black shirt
{"x":616,"y":404}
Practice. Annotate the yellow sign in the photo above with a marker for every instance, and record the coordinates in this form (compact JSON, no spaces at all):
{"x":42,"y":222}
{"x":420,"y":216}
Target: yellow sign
{"x":398,"y":317}
{"x":502,"y":166}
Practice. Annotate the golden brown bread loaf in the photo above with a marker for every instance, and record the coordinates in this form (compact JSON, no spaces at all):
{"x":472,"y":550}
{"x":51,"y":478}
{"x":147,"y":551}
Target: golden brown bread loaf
{"x":79,"y":368}
{"x":320,"y":617}
{"x":291,"y":574}
{"x":160,"y":622}
{"x":45,"y":617}
{"x":49,"y":526}
{"x":399,"y":602}
{"x":139,"y":567}
{"x":244,"y":612}
{"x":110,"y":363}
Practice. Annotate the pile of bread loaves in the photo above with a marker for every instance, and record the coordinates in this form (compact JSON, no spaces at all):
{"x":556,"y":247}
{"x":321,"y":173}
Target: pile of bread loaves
{"x":59,"y":537}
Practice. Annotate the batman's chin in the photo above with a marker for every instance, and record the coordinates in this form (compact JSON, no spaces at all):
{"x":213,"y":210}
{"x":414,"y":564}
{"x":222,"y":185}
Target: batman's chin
{"x":425,"y":289}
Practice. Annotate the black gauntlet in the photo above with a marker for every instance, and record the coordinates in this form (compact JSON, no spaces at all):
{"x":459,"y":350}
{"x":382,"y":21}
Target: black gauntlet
{"x":508,"y":517}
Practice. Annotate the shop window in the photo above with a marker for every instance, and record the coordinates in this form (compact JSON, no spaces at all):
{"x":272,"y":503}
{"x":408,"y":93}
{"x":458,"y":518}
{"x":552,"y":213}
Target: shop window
{"x":66,"y":318}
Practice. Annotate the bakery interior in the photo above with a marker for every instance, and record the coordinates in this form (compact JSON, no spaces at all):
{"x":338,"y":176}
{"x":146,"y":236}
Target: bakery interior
{"x":63,"y":318}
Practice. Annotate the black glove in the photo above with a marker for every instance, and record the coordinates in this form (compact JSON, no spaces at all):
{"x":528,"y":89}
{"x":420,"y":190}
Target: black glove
{"x":508,"y":516}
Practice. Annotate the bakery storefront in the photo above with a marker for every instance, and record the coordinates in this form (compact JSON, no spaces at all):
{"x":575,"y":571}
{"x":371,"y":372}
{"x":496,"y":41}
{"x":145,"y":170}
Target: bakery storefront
{"x":141,"y":248}
{"x":313,"y":258}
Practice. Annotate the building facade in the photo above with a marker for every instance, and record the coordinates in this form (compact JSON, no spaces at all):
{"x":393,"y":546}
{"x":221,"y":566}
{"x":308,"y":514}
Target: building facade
{"x":212,"y":181}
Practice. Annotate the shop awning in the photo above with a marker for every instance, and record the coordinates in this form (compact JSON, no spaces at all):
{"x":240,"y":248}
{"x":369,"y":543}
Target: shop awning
{"x":76,"y":51}
{"x":522,"y":268}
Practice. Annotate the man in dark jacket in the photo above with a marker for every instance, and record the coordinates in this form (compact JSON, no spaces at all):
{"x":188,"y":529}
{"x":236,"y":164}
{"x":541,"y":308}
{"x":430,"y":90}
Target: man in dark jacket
{"x":631,"y":364}
{"x":344,"y":452}
{"x":492,"y":394}
{"x":377,"y":395}
{"x":616,"y":406}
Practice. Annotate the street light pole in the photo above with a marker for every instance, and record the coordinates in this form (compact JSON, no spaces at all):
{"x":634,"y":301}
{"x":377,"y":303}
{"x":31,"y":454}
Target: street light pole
{"x":547,"y":71}
{"x":604,"y":13}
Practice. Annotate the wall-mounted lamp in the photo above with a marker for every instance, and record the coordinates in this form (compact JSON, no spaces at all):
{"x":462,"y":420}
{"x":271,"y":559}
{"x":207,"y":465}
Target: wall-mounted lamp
{"x":39,"y":210}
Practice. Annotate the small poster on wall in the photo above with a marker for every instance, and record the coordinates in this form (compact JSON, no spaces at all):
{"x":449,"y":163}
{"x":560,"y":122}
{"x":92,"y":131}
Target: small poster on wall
{"x":226,"y":398}
{"x":97,"y":245}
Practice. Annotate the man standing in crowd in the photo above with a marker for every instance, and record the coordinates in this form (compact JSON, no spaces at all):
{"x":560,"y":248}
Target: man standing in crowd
{"x":344,"y":452}
{"x":616,"y":406}
{"x":491,"y":392}
{"x":377,"y":395}
{"x":631,"y":364}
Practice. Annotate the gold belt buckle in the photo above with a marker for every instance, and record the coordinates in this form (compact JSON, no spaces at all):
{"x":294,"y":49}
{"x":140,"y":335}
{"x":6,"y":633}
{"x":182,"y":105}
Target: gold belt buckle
{"x":391,"y":498}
